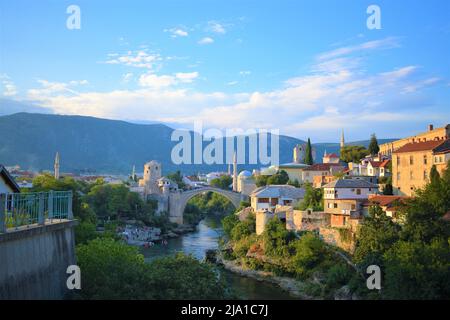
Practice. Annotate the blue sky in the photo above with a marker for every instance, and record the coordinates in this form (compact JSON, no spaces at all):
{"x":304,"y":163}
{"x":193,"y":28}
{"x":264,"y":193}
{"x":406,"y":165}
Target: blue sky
{"x":307,"y":68}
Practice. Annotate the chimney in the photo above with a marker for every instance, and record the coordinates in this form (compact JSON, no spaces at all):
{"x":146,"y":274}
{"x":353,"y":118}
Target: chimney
{"x":430,"y":127}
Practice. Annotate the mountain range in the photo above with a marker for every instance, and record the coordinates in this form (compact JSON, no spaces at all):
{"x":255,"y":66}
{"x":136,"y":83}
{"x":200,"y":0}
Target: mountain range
{"x":94,"y":145}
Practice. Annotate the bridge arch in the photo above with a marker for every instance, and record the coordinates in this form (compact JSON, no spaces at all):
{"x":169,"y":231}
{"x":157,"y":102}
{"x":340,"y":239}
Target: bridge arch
{"x":178,"y":201}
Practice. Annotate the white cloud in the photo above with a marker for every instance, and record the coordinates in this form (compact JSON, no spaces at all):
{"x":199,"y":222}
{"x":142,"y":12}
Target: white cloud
{"x":216,"y":27}
{"x":155,"y":81}
{"x":206,"y":40}
{"x":245,"y":73}
{"x":9,"y":88}
{"x":127,"y":77}
{"x":186,"y":77}
{"x":138,"y":59}
{"x":337,"y":92}
{"x":177,"y":32}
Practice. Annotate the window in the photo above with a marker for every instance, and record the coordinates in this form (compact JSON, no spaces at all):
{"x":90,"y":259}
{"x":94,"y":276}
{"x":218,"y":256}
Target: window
{"x":358,"y":191}
{"x":411,"y":160}
{"x":411,"y":175}
{"x":425,"y":159}
{"x":335,"y":205}
{"x":353,"y":206}
{"x":398,"y":160}
{"x":425,"y":174}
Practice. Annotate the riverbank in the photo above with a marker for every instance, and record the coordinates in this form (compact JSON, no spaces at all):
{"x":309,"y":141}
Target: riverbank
{"x":136,"y":235}
{"x":292,"y":286}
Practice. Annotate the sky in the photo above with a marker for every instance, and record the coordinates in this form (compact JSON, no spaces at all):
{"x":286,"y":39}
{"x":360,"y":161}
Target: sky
{"x":306,"y":68}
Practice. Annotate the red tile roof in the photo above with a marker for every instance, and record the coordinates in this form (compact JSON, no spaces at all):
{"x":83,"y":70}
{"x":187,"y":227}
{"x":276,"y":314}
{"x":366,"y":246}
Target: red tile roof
{"x":378,"y":164}
{"x":384,"y":201}
{"x":331,"y":155}
{"x":322,"y":166}
{"x":420,"y":146}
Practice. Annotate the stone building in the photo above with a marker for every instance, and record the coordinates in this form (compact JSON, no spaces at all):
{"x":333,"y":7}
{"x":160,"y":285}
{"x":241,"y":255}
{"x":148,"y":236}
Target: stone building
{"x":152,"y":173}
{"x":411,"y":164}
{"x":432,"y":134}
{"x":245,"y":183}
{"x":343,"y":199}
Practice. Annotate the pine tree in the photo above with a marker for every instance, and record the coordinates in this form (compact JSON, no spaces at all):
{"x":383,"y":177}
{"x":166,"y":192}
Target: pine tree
{"x":308,"y":153}
{"x":373,"y":146}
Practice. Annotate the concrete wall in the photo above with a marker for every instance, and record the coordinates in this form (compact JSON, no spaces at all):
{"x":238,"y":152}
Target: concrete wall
{"x":33,"y":261}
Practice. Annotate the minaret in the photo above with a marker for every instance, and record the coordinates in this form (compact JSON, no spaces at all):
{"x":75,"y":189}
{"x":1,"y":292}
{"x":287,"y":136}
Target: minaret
{"x":56,"y":166}
{"x":342,"y":139}
{"x":133,"y":173}
{"x":235,"y":172}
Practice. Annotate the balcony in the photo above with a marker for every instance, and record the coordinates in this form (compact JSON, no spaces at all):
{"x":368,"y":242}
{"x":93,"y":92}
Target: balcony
{"x":23,"y":210}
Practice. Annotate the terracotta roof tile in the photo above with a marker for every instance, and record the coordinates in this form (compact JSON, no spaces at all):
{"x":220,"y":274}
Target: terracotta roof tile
{"x":420,"y":146}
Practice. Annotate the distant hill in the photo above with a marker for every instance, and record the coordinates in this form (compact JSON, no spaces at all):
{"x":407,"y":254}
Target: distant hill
{"x":88,"y":144}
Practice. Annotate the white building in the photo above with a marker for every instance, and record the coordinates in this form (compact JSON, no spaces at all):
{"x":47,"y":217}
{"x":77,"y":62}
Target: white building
{"x":268,"y":197}
{"x":344,"y":189}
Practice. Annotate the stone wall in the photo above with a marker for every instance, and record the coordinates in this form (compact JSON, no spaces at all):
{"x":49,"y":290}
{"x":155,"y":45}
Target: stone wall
{"x":34,"y":260}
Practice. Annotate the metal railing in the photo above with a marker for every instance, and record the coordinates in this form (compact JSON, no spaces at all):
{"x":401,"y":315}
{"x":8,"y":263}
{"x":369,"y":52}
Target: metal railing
{"x":25,"y":209}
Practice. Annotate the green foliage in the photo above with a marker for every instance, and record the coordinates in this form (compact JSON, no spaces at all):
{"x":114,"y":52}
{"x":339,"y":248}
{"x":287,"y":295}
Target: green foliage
{"x":113,"y":270}
{"x":416,"y":255}
{"x":244,"y":228}
{"x":212,"y":203}
{"x":294,"y":183}
{"x":177,"y":177}
{"x":276,"y":238}
{"x":261,"y":180}
{"x":281,"y":177}
{"x":353,"y":153}
{"x":310,"y":254}
{"x":416,"y":270}
{"x":388,"y":190}
{"x":373,"y":145}
{"x":313,"y":198}
{"x":84,"y":232}
{"x":228,"y":223}
{"x":376,"y":235}
{"x":338,"y":275}
{"x":308,"y":153}
{"x":222,"y":182}
{"x":184,"y":277}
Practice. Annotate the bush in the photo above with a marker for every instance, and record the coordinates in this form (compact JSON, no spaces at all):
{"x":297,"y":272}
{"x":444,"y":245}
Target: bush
{"x":338,"y":275}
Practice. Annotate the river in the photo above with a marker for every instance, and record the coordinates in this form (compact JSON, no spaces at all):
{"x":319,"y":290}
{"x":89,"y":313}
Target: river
{"x":206,"y":237}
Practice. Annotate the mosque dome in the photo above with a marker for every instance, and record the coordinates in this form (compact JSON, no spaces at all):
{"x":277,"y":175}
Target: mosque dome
{"x":245,"y":174}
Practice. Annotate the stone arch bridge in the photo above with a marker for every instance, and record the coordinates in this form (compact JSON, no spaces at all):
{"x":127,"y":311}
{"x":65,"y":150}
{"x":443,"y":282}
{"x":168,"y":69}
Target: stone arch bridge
{"x":178,"y":200}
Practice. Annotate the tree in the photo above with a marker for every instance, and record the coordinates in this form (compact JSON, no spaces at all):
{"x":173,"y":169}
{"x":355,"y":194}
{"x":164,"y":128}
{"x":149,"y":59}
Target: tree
{"x":310,"y":252}
{"x":114,"y":270}
{"x":388,"y":190}
{"x":261,"y":180}
{"x":313,"y":198}
{"x":276,"y":238}
{"x":177,"y":177}
{"x":376,"y":235}
{"x":281,"y":177}
{"x":308,"y":153}
{"x":373,"y":145}
{"x":353,"y":153}
{"x":222,"y":182}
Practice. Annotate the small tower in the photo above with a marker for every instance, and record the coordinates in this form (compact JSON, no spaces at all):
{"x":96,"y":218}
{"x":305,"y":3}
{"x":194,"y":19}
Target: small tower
{"x":342,"y":139}
{"x":235,"y":186}
{"x":56,"y":166}
{"x":133,"y":173}
{"x":298,"y":153}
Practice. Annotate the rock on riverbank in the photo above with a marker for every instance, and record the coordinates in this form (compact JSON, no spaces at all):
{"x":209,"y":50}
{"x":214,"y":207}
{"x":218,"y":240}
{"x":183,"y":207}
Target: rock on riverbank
{"x":290,"y":285}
